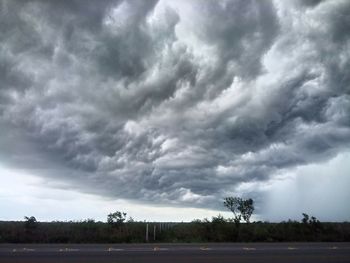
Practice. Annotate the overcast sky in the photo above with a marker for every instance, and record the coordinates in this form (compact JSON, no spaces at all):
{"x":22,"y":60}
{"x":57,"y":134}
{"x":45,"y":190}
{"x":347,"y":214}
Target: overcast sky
{"x":163,"y":108}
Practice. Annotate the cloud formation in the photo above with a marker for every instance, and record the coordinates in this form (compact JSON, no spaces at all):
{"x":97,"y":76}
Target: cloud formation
{"x":172,"y":103}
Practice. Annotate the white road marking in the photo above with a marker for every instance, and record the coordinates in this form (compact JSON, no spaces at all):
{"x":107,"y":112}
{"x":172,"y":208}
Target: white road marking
{"x":333,"y":247}
{"x":29,"y":249}
{"x":249,"y":248}
{"x":115,"y":249}
{"x":160,"y":249}
{"x":68,"y":249}
{"x":23,"y":250}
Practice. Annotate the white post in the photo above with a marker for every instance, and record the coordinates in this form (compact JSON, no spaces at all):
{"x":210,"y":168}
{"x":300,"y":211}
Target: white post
{"x":146,"y":232}
{"x":154,"y":233}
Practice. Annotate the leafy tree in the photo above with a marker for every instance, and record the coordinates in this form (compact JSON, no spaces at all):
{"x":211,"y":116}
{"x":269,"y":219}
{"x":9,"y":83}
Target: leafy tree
{"x":233,"y":204}
{"x":241,"y":208}
{"x":305,"y":219}
{"x":30,"y":224}
{"x":313,"y":222}
{"x":30,"y":229}
{"x":218,"y":219}
{"x":116,"y":219}
{"x":246,"y":208}
{"x":130,"y":220}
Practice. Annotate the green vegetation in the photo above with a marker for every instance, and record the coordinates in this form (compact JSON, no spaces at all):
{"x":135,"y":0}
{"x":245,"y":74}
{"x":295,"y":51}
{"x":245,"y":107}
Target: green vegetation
{"x":219,"y":229}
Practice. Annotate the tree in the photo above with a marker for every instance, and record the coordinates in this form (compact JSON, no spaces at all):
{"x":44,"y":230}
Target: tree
{"x":240,"y":208}
{"x":130,"y":220}
{"x":305,"y":219}
{"x":30,"y":228}
{"x":30,"y":224}
{"x":233,"y":204}
{"x":313,"y":221}
{"x":218,"y":219}
{"x":246,"y":208}
{"x":116,"y":219}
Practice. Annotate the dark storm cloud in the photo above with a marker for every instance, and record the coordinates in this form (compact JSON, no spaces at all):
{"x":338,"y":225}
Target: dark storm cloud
{"x":173,"y":103}
{"x":236,"y":26}
{"x":310,"y":3}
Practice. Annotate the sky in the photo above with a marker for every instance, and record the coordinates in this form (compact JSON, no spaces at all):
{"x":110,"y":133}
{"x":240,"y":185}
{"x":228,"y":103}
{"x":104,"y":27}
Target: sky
{"x":163,"y":108}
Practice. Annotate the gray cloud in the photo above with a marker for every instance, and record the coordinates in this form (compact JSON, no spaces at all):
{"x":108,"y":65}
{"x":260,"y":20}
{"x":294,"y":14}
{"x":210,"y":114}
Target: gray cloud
{"x":172,"y":103}
{"x":310,"y":3}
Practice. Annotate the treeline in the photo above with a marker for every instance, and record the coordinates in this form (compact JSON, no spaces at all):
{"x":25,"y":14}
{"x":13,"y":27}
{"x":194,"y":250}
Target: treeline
{"x":221,"y":230}
{"x":87,"y":231}
{"x":218,"y":229}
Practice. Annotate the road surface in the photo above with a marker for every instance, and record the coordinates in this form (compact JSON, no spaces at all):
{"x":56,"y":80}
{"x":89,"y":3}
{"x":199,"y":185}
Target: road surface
{"x":177,"y":253}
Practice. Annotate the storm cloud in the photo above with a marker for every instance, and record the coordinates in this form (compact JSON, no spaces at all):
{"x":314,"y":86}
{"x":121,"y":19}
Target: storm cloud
{"x":172,"y":102}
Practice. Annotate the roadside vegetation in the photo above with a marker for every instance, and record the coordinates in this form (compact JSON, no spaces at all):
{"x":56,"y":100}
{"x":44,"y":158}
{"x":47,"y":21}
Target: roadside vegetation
{"x":121,"y":229}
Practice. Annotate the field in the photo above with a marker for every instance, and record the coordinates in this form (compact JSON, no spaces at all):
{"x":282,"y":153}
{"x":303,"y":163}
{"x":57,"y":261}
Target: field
{"x":216,"y":230}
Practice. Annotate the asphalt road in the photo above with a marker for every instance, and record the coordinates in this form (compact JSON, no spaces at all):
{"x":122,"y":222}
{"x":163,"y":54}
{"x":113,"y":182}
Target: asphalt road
{"x":177,"y":253}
